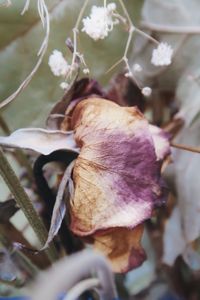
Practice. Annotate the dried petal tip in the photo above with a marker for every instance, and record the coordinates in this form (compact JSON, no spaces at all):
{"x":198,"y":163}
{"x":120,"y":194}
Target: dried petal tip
{"x":162,"y":55}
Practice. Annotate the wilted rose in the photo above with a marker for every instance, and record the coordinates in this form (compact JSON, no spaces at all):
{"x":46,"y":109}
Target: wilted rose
{"x":116,"y":176}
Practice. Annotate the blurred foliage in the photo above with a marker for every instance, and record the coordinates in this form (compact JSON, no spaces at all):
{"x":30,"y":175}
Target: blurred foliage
{"x":175,"y":22}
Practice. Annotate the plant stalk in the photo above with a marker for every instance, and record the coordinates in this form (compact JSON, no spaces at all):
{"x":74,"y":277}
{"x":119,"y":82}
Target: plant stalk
{"x":25,"y":204}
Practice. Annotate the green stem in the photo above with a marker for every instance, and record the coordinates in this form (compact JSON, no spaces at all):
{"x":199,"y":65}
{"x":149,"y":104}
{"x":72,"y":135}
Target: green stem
{"x":25,"y":204}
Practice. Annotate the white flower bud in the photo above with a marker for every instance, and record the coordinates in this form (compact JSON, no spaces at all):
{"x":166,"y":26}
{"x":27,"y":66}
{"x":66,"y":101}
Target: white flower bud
{"x":146,"y":91}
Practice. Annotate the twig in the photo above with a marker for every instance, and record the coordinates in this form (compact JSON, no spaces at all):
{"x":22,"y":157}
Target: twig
{"x":185,"y":147}
{"x":131,"y":30}
{"x":75,"y":31}
{"x":25,"y":203}
{"x":82,"y":287}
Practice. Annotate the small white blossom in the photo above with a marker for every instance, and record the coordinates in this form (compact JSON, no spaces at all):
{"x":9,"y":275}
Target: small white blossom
{"x":146,"y":91}
{"x":100,"y":22}
{"x":64,"y":85}
{"x":162,"y":55}
{"x":58,"y":64}
{"x":111,"y":7}
{"x":86,"y":71}
{"x":137,"y":68}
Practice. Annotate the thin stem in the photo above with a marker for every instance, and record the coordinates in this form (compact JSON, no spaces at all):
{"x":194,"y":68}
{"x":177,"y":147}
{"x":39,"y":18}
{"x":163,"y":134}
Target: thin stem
{"x":75,"y":31}
{"x":185,"y":147}
{"x":126,"y":13}
{"x":129,"y":40}
{"x":114,"y":66}
{"x":144,"y":34}
{"x":25,"y":204}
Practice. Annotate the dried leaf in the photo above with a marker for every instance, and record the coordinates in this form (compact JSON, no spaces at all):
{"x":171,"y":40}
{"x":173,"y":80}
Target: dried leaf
{"x":65,"y":191}
{"x":40,"y":140}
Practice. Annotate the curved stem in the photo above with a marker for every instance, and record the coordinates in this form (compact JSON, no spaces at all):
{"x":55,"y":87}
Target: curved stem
{"x":82,"y":287}
{"x":79,"y":266}
{"x":75,"y":31}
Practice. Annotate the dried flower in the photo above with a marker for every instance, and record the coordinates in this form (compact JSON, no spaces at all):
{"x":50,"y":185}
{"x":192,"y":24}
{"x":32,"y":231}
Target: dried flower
{"x":162,"y":55}
{"x":146,"y":91}
{"x":116,"y":176}
{"x":58,"y":64}
{"x":100,"y":22}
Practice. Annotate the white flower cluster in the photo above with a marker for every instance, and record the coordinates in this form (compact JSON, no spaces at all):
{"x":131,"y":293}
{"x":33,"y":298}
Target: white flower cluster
{"x":162,"y":55}
{"x":100,"y":22}
{"x":59,"y":66}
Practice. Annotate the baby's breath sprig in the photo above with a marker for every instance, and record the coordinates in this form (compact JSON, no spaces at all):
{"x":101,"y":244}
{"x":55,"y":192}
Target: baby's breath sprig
{"x":124,"y":59}
{"x":161,"y":56}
